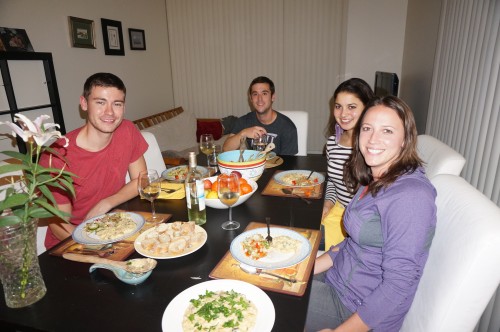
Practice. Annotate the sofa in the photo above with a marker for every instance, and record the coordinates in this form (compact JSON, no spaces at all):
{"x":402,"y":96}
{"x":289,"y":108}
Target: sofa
{"x":177,"y":131}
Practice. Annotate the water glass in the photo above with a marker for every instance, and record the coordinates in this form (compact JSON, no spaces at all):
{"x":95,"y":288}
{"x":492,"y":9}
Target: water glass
{"x":212,"y":160}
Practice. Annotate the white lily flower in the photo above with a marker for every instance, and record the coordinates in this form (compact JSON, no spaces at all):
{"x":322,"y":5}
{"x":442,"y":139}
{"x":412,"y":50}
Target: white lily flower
{"x":17,"y":131}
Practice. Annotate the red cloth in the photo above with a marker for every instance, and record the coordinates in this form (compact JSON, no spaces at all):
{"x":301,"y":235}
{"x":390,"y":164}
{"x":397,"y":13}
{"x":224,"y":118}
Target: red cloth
{"x":100,"y":174}
{"x":213,"y":127}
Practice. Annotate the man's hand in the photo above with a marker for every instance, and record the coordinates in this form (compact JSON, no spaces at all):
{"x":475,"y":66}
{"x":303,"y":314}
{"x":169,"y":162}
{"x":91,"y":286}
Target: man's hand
{"x":100,"y":208}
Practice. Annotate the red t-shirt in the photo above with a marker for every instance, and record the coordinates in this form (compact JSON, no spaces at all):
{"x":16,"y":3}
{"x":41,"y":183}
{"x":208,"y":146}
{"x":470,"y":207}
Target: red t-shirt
{"x":99,"y":174}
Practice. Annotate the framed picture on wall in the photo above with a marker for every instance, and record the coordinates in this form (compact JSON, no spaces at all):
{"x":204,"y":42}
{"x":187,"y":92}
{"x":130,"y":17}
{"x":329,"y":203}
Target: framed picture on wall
{"x":113,"y":37}
{"x":14,"y":40}
{"x":137,"y":39}
{"x":81,"y":32}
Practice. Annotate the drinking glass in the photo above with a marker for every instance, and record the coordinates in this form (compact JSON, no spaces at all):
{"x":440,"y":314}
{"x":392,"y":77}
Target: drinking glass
{"x":212,"y":160}
{"x":259,"y":143}
{"x":149,"y":186}
{"x":229,"y":192}
{"x":207,"y":144}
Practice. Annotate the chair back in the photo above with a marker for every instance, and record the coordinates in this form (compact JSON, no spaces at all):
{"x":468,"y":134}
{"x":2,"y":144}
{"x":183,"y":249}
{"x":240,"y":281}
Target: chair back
{"x":463,"y":270}
{"x":153,"y":156}
{"x":439,"y":158}
{"x":301,"y":121}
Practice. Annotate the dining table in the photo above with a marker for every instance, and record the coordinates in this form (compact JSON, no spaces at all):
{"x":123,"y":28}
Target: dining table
{"x":77,"y":300}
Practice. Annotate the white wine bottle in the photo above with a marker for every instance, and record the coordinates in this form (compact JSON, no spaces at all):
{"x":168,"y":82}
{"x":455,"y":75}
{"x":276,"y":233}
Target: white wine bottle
{"x":195,"y":193}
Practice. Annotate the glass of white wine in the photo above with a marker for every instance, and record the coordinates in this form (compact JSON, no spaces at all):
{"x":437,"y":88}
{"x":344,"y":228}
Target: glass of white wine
{"x":207,"y":144}
{"x":149,"y":185}
{"x":259,"y":143}
{"x":228,"y":188}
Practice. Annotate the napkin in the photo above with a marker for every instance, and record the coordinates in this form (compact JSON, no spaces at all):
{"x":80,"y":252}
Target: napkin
{"x":179,"y":192}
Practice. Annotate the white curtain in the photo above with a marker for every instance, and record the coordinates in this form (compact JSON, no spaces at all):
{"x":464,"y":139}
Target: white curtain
{"x":465,"y":96}
{"x":218,"y":46}
{"x":465,"y":101}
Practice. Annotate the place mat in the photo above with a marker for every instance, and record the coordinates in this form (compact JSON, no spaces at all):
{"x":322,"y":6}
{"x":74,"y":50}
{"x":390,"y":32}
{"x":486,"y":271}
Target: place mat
{"x":228,"y":267}
{"x":273,"y":188}
{"x":273,"y":162}
{"x":118,"y":251}
{"x":179,"y":192}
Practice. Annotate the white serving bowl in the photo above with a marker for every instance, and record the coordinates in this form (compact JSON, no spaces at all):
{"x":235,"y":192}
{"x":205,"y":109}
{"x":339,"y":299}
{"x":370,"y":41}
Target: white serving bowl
{"x":217,"y":204}
{"x":228,"y":162}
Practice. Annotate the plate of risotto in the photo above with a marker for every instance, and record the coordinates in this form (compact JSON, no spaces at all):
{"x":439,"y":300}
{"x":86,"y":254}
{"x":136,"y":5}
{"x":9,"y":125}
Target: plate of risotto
{"x":171,"y":240}
{"x":108,"y":228}
{"x":220,"y":306}
{"x":299,"y":178}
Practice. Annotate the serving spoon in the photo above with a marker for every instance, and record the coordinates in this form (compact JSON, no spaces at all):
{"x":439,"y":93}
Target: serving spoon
{"x":138,"y":265}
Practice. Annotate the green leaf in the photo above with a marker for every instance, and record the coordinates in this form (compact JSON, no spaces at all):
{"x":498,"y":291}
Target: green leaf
{"x":40,"y":213}
{"x":52,"y":209}
{"x":7,"y":168}
{"x":15,"y":154}
{"x":14,"y":200}
{"x":47,"y":193}
{"x":9,"y":220}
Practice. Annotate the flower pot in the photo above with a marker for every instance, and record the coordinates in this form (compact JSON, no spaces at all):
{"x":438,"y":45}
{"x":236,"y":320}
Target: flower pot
{"x":19,"y":270}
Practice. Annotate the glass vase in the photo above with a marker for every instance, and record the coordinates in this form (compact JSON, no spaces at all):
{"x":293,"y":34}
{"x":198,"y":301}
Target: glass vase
{"x":19,"y":270}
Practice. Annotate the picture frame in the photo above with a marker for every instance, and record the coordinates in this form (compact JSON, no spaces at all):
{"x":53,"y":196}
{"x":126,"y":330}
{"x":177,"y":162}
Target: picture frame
{"x":113,"y":37}
{"x":82,"y":32}
{"x":137,"y":39}
{"x":14,"y":40}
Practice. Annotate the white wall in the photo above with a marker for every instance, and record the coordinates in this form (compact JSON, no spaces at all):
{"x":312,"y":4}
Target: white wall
{"x":375,"y":38}
{"x":146,"y":74}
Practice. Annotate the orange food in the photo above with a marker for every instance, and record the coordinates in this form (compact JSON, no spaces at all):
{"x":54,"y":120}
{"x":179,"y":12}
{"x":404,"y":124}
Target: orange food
{"x":215,"y":185}
{"x":242,"y":181}
{"x":245,"y":188}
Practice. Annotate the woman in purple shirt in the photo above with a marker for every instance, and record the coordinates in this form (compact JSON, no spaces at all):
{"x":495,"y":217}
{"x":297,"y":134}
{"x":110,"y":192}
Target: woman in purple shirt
{"x":368,"y":281}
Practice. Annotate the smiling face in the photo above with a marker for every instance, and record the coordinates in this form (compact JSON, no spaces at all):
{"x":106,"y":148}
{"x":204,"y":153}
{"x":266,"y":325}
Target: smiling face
{"x":261,"y":97}
{"x":105,"y":107}
{"x":347,"y":110}
{"x":381,"y":138}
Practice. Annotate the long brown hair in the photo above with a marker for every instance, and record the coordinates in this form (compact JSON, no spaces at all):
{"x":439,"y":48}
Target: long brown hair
{"x":357,"y":172}
{"x":355,"y":86}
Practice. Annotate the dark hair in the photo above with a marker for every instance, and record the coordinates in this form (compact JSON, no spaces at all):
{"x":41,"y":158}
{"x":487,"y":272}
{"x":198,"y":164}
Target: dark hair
{"x":261,"y":79}
{"x":355,"y":86}
{"x":103,"y":80}
{"x":357,"y":173}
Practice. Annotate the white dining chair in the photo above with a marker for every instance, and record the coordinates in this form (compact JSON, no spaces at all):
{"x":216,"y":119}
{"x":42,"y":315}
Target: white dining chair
{"x":301,"y":121}
{"x":153,"y":156}
{"x":439,"y":158}
{"x":463,"y":271}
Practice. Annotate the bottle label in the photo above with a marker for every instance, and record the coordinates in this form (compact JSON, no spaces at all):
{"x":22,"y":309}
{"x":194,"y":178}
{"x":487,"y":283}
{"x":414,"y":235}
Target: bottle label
{"x":201,"y":194}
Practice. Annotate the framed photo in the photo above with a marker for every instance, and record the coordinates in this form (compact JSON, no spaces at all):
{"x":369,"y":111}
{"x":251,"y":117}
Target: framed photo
{"x":137,"y":39}
{"x":82,"y":32}
{"x":14,"y":40}
{"x":113,"y":37}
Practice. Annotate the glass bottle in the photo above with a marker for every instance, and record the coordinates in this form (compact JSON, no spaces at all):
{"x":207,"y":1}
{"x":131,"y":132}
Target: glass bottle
{"x":195,"y":193}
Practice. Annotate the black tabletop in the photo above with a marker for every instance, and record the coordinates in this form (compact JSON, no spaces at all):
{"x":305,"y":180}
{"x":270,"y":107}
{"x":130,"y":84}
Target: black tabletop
{"x":77,"y":300}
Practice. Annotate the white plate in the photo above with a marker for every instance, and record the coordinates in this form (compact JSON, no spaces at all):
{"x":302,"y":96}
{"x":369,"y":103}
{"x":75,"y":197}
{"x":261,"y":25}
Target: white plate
{"x":138,"y":247}
{"x":167,"y":174}
{"x":81,"y":236}
{"x":315,"y":176}
{"x":270,"y":155}
{"x":173,"y":315}
{"x":276,"y":260}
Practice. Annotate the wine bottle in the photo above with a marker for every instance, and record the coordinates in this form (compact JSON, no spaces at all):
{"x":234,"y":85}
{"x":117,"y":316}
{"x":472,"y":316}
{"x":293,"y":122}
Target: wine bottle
{"x":195,"y":193}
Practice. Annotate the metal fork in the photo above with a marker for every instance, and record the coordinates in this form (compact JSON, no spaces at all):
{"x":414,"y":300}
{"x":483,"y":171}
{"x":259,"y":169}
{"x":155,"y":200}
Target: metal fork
{"x":169,"y":191}
{"x":269,"y":238}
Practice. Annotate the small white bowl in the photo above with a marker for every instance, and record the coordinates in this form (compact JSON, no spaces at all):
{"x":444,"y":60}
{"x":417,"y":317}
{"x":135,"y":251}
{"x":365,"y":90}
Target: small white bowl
{"x":217,"y":204}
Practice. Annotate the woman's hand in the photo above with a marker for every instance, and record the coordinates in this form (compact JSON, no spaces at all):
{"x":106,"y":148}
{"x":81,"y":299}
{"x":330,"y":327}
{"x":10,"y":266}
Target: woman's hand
{"x":327,"y":206}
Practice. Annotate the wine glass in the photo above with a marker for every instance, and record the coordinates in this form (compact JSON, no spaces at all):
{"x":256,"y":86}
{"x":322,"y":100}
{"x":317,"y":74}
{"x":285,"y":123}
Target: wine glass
{"x":229,"y":192}
{"x":259,"y":143}
{"x":207,"y":144}
{"x":149,"y":186}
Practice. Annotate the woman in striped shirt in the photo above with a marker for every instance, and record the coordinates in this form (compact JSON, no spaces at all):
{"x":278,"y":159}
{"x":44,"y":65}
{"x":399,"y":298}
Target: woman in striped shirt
{"x":349,"y":100}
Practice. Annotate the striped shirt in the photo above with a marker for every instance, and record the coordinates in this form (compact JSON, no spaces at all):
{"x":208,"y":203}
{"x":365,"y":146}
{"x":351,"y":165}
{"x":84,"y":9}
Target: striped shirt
{"x":336,"y":156}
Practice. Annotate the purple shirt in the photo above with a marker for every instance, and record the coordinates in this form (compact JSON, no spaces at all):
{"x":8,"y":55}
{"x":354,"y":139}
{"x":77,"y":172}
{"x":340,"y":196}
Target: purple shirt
{"x":377,"y":270}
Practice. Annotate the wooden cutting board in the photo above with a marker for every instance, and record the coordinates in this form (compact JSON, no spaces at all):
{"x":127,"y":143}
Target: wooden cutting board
{"x":228,"y":267}
{"x":273,"y":188}
{"x":119,"y":251}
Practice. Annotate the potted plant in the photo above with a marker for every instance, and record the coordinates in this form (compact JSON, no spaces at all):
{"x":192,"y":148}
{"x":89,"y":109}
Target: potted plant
{"x":26,"y":199}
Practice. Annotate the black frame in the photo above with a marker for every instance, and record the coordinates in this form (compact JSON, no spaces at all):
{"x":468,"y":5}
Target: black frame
{"x":75,"y":24}
{"x":116,"y":45}
{"x":50,"y":76}
{"x":137,"y":39}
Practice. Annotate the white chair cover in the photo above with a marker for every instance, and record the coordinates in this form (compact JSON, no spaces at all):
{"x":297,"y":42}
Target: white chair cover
{"x":153,"y":157}
{"x":439,"y":158}
{"x":301,"y":121}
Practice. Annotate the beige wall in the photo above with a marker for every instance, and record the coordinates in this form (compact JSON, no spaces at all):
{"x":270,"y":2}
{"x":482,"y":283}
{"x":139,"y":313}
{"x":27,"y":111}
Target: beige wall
{"x":422,"y":26}
{"x":375,"y":38}
{"x":146,"y":74}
